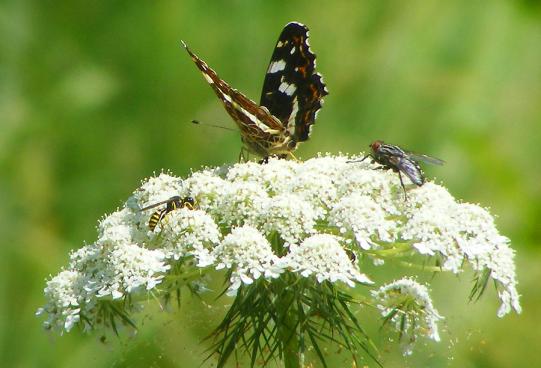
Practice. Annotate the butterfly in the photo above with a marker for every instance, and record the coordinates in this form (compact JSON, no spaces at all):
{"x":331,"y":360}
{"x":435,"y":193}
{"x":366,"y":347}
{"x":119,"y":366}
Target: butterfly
{"x":173,"y":203}
{"x":392,"y":157}
{"x":291,"y":97}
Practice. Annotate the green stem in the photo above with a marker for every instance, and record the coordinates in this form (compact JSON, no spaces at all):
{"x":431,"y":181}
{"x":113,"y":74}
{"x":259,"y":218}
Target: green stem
{"x":291,"y":353}
{"x":186,"y":277}
{"x":287,"y":315}
{"x":421,"y":267}
{"x":398,"y":249}
{"x":287,"y":333}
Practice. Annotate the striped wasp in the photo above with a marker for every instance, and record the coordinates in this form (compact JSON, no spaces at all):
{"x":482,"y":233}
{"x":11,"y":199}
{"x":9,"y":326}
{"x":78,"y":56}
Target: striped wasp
{"x":172,"y":203}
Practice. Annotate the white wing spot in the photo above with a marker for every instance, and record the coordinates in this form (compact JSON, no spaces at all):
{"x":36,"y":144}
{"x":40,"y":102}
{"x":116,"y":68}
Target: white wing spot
{"x":291,"y":120}
{"x":276,"y":66}
{"x":252,"y":118}
{"x":287,"y":88}
{"x":227,"y":98}
{"x":292,"y":51}
{"x":208,"y":78}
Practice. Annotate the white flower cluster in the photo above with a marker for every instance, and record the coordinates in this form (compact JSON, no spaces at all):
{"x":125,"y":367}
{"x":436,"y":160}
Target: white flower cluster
{"x":408,"y":306}
{"x":250,"y":254}
{"x":188,"y":232}
{"x":284,"y":216}
{"x":323,"y":256}
{"x":65,"y":293}
{"x":113,"y":267}
{"x":459,"y":233}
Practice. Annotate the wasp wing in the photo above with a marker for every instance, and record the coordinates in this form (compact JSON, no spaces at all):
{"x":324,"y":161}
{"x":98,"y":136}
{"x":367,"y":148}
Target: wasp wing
{"x":175,"y":199}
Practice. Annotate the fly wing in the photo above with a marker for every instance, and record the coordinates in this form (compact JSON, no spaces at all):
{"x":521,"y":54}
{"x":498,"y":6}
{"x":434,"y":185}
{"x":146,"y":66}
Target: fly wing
{"x":425,"y":158}
{"x":412,"y":170}
{"x":292,"y":91}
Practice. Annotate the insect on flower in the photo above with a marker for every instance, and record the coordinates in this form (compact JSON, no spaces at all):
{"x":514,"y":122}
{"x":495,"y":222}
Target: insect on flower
{"x":173,"y":203}
{"x":392,"y":157}
{"x":291,"y":97}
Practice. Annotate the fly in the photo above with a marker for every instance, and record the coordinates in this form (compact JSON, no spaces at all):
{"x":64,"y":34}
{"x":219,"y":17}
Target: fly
{"x":392,"y":157}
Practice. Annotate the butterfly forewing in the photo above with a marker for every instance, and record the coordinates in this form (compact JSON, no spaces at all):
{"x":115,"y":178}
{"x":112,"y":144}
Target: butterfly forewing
{"x":292,"y":92}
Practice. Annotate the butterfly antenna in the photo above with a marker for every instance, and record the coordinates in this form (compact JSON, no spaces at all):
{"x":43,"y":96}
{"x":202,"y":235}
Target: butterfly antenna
{"x":197,"y":122}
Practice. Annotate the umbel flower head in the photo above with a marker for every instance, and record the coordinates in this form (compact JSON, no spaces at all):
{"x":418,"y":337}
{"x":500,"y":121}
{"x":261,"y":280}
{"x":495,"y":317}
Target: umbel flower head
{"x":407,"y":304}
{"x":294,"y":237}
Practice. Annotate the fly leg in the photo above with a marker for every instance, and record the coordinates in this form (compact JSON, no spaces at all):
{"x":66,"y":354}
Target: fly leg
{"x":361,"y":160}
{"x":403,"y":186}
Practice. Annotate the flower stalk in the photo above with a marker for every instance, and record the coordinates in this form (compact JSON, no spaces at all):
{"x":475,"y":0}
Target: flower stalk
{"x":288,"y":325}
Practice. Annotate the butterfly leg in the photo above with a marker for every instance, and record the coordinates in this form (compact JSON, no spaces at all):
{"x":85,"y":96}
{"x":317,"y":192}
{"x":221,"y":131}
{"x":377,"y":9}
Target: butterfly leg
{"x":403,"y":186}
{"x":293,"y":157}
{"x":243,"y":155}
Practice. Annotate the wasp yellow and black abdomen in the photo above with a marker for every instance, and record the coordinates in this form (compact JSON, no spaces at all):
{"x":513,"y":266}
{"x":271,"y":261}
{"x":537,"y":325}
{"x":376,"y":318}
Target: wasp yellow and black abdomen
{"x":156,"y":218}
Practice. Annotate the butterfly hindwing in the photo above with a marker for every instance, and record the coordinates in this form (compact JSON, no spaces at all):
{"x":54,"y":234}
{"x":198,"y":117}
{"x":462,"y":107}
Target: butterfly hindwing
{"x":242,"y":109}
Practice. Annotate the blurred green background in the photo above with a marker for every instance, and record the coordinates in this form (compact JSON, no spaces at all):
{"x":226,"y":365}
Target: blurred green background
{"x":95,"y":96}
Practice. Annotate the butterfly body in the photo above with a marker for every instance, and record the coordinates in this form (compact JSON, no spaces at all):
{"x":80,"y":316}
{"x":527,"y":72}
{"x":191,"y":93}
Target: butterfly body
{"x":291,"y":96}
